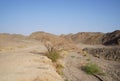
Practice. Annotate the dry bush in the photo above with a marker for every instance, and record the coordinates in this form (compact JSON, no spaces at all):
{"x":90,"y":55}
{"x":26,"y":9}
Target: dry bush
{"x":59,"y":68}
{"x":52,"y":52}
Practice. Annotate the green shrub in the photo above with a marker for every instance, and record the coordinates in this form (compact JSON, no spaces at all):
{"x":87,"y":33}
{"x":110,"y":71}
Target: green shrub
{"x":91,"y":68}
{"x":54,"y":56}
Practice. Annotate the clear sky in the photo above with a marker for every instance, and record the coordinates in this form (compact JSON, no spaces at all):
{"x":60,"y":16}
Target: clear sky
{"x":59,"y":16}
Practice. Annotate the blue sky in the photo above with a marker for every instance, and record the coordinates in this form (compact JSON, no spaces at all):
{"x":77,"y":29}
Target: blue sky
{"x":59,"y":16}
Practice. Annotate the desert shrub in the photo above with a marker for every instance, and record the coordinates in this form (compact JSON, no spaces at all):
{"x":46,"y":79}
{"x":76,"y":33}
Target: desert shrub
{"x":59,"y":68}
{"x":53,"y":55}
{"x":91,"y":68}
{"x":60,"y":71}
{"x":52,"y":52}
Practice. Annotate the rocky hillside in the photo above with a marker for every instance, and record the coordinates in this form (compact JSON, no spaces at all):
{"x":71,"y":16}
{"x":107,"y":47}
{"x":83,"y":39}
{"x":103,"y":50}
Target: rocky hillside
{"x":86,"y":37}
{"x":106,"y":53}
{"x":112,"y":38}
{"x":95,"y":38}
{"x":55,"y":40}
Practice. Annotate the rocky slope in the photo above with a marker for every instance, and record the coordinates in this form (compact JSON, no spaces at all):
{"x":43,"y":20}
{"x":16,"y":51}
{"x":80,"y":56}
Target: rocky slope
{"x":73,"y":68}
{"x":106,"y":53}
{"x":57,"y":41}
{"x":112,"y":38}
{"x":90,"y":38}
{"x":95,"y":38}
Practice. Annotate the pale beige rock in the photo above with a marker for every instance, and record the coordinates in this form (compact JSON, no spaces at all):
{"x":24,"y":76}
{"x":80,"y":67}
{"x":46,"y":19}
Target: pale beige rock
{"x":27,"y":67}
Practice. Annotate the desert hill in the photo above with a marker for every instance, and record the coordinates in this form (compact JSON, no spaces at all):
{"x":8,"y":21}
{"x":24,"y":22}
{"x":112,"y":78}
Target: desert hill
{"x":91,"y":38}
{"x":57,"y":41}
{"x":94,"y":38}
{"x":86,"y":37}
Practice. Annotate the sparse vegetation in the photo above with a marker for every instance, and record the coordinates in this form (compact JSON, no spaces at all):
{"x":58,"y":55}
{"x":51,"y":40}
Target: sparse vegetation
{"x":92,"y":68}
{"x":59,"y":71}
{"x":66,"y":80}
{"x":88,"y":59}
{"x":59,"y":66}
{"x":54,"y":56}
{"x":73,"y":56}
{"x":52,"y":52}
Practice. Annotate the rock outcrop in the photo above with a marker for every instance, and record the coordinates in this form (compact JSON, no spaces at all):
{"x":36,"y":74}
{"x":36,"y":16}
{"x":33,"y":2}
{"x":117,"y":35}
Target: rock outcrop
{"x":112,"y":38}
{"x":106,"y":53}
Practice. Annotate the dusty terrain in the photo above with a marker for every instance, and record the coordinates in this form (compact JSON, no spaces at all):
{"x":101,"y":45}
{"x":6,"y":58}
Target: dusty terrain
{"x":73,"y":68}
{"x":19,"y":62}
{"x":22,"y":58}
